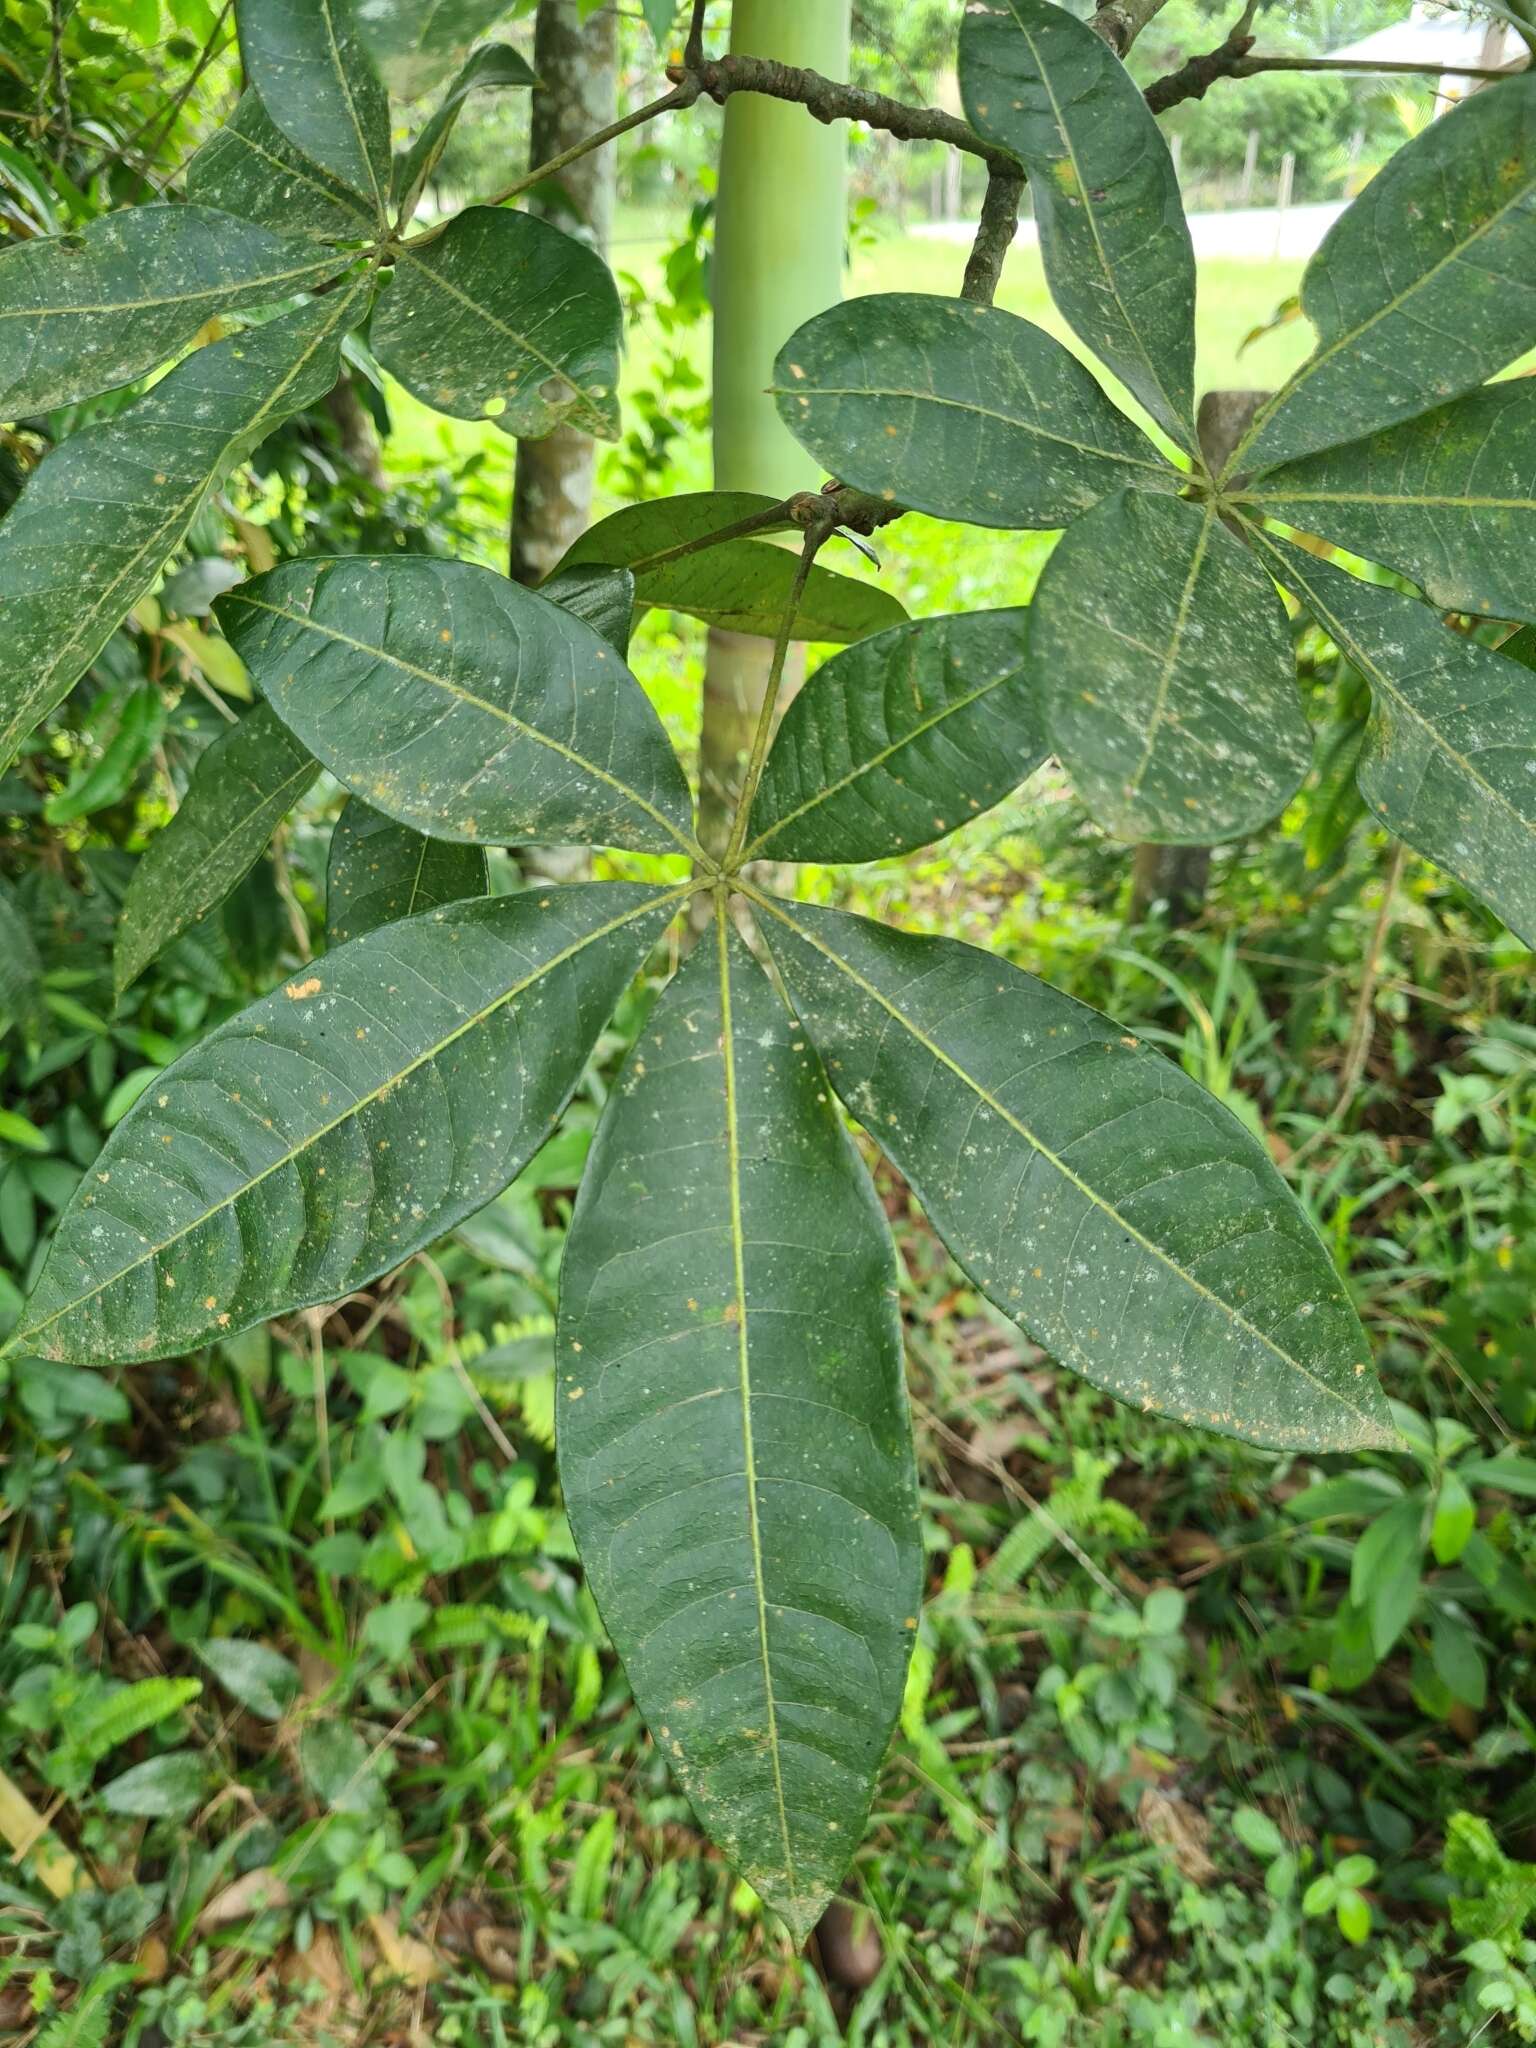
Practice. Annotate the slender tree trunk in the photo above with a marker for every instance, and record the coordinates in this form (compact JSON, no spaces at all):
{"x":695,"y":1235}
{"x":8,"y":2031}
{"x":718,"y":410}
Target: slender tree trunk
{"x":779,"y":238}
{"x":575,"y":62}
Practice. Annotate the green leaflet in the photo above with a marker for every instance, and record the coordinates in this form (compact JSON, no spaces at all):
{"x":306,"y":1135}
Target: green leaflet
{"x":605,"y":598}
{"x":899,"y":739}
{"x":734,"y":1443}
{"x":246,"y":783}
{"x":459,"y":703}
{"x":963,"y":411}
{"x":1425,"y":287}
{"x":1168,"y":673}
{"x":1448,"y":499}
{"x":504,"y":318}
{"x":87,"y":311}
{"x":496,"y":65}
{"x":316,"y":79}
{"x":1450,"y":763}
{"x":741,"y":585}
{"x":417,"y":42}
{"x":1113,"y":237}
{"x":250,"y":168}
{"x":1089,"y":1187}
{"x":338,"y":1125}
{"x":379,"y":872}
{"x":89,"y":533}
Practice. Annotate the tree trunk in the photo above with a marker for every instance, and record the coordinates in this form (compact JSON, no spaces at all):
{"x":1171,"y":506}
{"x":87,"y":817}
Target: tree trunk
{"x":779,"y":238}
{"x":575,"y":62}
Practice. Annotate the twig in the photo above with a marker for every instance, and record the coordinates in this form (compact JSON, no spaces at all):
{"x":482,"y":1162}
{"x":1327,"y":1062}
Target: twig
{"x":995,"y":230}
{"x":1120,"y":22}
{"x":693,"y":49}
{"x":1232,"y":60}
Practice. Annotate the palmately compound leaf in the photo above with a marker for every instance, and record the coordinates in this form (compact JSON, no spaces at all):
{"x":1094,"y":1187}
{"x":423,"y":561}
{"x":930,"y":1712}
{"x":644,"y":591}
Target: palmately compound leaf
{"x":340,"y":1124}
{"x":493,"y":67}
{"x":741,"y":585}
{"x":379,"y":872}
{"x":1113,"y":237}
{"x":899,"y":739}
{"x":90,"y":532}
{"x":86,"y":311}
{"x":962,"y":411}
{"x":246,"y":783}
{"x":415,"y":43}
{"x":1450,"y":763}
{"x":250,"y":168}
{"x":504,"y":318}
{"x":1448,"y":499}
{"x":1090,"y":1188}
{"x":734,"y":1443}
{"x":1167,"y":672}
{"x":1423,"y":288}
{"x":459,"y":703}
{"x":316,"y":79}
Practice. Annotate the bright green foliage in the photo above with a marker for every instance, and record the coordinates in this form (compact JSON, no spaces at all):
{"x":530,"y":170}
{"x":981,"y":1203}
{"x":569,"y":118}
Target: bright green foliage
{"x":734,"y":1442}
{"x":1165,"y":661}
{"x":380,"y":871}
{"x":963,"y":411}
{"x":899,"y":740}
{"x":245,"y":785}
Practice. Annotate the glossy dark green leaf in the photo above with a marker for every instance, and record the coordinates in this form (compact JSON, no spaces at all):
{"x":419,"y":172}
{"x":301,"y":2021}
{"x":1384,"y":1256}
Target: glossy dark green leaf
{"x":89,"y":534}
{"x":504,"y":318}
{"x":459,"y":703}
{"x":898,"y":740}
{"x":492,"y":68}
{"x":415,"y":43}
{"x":250,"y":168}
{"x":332,"y":1129}
{"x":241,"y":790}
{"x":963,"y":411}
{"x":742,"y":585}
{"x":91,"y":310}
{"x":1448,"y":499}
{"x":734,"y":1443}
{"x":605,"y":598}
{"x":1113,"y":237}
{"x":1168,"y":675}
{"x":316,"y":78}
{"x":1450,"y":761}
{"x":1089,"y":1187}
{"x":380,"y":871}
{"x":1423,"y":288}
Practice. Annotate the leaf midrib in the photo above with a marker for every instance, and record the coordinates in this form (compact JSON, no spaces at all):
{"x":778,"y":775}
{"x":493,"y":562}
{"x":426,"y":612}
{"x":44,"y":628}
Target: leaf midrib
{"x":432,"y":1052}
{"x":345,"y":84}
{"x":426,"y":675}
{"x":744,"y":1374}
{"x":1052,"y":1158}
{"x":221,"y":292}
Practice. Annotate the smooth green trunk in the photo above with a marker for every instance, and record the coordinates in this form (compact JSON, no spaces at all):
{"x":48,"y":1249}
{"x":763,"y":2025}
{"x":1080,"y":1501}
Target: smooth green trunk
{"x":779,"y":241}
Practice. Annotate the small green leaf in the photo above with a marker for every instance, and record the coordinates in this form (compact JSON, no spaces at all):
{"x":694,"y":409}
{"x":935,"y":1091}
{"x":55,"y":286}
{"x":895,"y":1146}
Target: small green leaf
{"x":1422,"y":289}
{"x":1168,"y":675}
{"x":246,"y":783}
{"x":327,"y":1132}
{"x":98,"y":307}
{"x":492,"y":68}
{"x":165,"y":1788}
{"x":504,"y":318}
{"x":1164,"y":1611}
{"x":1093,"y":1192}
{"x":125,"y":491}
{"x":1353,"y":1914}
{"x":104,"y":779}
{"x":1113,"y":237}
{"x":380,"y":871}
{"x":1454,"y":1520}
{"x":1387,"y":1569}
{"x":459,"y":703}
{"x":391,"y":1627}
{"x":1458,"y":1660}
{"x":659,"y":17}
{"x":1257,"y":1832}
{"x":900,"y":739}
{"x":740,"y":585}
{"x":20,"y":1131}
{"x":250,"y":168}
{"x":339,"y":1768}
{"x":966,"y":412}
{"x":1451,"y":761}
{"x":1319,"y":1895}
{"x":317,"y":82}
{"x":734,"y":1444}
{"x":259,"y":1678}
{"x":1448,"y":499}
